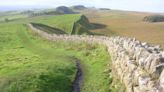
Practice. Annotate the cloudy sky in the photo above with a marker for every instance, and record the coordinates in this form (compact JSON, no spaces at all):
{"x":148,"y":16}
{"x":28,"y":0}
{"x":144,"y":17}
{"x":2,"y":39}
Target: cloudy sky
{"x":133,"y":5}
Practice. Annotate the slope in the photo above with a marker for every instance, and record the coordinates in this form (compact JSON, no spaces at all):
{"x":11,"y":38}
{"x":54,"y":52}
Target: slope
{"x":29,"y":63}
{"x":28,"y":67}
{"x":69,"y":23}
{"x":127,"y":23}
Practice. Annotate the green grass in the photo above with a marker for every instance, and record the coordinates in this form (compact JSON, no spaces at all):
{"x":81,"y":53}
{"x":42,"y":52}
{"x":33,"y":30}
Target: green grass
{"x":68,"y":23}
{"x":63,"y":22}
{"x":29,"y":67}
{"x":29,"y":63}
{"x":94,"y":59}
{"x":11,"y":16}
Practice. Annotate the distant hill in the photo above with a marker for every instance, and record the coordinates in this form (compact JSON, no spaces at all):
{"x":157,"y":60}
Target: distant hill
{"x":79,"y":7}
{"x":12,"y":15}
{"x":154,"y":18}
{"x":104,"y":9}
{"x":27,"y":12}
{"x":44,"y":13}
{"x":64,"y":10}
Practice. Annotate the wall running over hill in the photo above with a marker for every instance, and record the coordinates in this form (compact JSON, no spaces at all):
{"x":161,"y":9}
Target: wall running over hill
{"x":139,"y":66}
{"x":81,"y":26}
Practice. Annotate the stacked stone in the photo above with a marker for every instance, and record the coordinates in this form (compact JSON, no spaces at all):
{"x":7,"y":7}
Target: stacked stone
{"x":139,"y":66}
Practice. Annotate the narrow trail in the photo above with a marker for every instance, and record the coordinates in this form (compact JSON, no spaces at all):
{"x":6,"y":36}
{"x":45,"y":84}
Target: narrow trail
{"x":124,"y":51}
{"x":78,"y":79}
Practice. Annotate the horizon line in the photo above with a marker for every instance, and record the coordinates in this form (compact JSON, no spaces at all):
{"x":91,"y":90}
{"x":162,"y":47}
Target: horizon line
{"x":30,"y":7}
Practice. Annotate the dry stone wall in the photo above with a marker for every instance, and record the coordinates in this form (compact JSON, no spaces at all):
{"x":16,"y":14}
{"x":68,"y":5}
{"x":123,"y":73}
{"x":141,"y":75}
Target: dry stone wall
{"x":138,"y":65}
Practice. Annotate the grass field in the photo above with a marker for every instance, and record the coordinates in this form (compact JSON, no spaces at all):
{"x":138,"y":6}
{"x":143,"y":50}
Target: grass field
{"x":126,"y":23}
{"x":29,"y":67}
{"x":63,"y":22}
{"x":69,"y":23}
{"x":12,"y":15}
{"x":29,"y":63}
{"x":94,"y":60}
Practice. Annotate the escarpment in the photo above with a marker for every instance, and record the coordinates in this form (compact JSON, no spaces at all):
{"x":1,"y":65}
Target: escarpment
{"x":81,"y":26}
{"x":138,"y":65}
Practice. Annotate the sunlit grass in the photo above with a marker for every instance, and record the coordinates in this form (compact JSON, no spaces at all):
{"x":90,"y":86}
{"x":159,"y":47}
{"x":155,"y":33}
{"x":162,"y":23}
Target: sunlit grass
{"x":29,"y":63}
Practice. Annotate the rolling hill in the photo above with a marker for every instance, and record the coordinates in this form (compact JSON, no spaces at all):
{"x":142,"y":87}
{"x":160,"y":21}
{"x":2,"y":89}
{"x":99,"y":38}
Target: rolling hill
{"x":64,"y":10}
{"x":79,"y":7}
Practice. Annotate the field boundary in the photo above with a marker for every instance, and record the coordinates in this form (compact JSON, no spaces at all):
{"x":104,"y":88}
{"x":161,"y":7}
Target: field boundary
{"x":138,"y":65}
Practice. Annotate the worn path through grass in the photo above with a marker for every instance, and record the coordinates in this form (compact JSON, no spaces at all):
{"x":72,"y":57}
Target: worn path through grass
{"x":29,"y":63}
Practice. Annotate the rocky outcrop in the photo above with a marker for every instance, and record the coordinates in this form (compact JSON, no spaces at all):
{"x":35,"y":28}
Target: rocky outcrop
{"x":139,"y":66}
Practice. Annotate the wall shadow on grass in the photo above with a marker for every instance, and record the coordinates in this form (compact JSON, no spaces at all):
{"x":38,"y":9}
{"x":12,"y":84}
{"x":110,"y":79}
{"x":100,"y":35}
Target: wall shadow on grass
{"x":97,"y":26}
{"x":48,"y":29}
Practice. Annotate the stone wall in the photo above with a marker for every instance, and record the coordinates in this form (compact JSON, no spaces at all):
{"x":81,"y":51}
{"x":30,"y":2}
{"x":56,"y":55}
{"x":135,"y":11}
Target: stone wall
{"x":139,"y":66}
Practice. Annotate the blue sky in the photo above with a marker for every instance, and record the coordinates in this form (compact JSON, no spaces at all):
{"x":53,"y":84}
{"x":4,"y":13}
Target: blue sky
{"x":132,"y":5}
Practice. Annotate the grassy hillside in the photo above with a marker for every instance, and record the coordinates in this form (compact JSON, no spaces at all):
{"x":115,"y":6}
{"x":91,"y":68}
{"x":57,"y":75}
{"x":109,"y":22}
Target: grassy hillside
{"x":29,"y":67}
{"x":48,"y":29}
{"x":63,"y":22}
{"x":78,"y":7}
{"x":82,"y":26}
{"x":69,"y":23}
{"x":16,"y":15}
{"x":29,"y":63}
{"x":64,"y":10}
{"x":12,"y":15}
{"x":126,"y":23}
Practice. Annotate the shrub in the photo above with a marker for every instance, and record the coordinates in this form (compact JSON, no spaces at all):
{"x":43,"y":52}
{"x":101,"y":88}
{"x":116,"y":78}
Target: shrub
{"x":154,"y":18}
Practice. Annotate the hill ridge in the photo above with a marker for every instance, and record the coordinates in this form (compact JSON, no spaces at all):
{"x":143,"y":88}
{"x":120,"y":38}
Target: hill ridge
{"x":81,"y":26}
